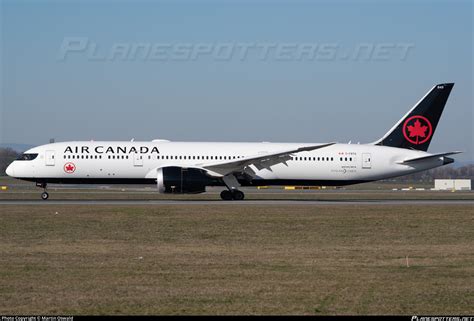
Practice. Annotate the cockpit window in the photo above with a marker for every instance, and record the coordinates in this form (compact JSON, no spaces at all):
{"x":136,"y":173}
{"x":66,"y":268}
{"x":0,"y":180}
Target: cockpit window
{"x":27,"y":157}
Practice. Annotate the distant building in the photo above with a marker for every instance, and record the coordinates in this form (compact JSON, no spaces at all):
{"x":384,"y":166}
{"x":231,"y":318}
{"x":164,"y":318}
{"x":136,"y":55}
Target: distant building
{"x":452,"y":184}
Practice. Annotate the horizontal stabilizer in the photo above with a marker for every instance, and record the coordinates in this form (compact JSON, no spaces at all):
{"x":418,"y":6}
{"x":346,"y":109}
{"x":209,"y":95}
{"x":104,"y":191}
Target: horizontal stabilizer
{"x":417,"y":159}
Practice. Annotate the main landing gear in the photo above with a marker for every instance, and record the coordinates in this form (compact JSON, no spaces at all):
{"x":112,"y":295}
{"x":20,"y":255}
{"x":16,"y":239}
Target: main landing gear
{"x":45,"y":194}
{"x":235,"y":195}
{"x":231,"y":193}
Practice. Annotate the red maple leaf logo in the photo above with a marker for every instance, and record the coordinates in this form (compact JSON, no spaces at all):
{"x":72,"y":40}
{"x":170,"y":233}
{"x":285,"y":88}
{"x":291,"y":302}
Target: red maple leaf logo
{"x":69,"y":168}
{"x":419,"y":131}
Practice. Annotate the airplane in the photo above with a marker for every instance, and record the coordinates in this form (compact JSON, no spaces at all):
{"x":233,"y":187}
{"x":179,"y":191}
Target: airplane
{"x":189,"y":167}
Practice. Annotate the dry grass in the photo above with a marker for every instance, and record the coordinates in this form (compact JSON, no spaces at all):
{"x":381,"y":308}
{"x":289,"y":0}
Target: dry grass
{"x":236,"y":259}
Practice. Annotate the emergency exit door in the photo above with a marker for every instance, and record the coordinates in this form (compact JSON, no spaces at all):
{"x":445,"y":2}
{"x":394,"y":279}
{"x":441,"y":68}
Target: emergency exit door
{"x":49,"y":158}
{"x":137,"y":159}
{"x":366,"y":160}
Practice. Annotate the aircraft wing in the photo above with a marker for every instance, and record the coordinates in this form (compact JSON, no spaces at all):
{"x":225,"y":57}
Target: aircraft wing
{"x":417,"y":159}
{"x":261,"y":161}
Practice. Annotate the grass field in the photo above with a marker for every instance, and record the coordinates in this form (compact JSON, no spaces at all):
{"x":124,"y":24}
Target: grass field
{"x":237,"y":259}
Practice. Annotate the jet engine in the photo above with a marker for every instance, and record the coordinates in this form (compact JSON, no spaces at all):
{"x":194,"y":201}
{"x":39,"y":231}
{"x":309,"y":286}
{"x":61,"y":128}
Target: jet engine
{"x":180,"y":180}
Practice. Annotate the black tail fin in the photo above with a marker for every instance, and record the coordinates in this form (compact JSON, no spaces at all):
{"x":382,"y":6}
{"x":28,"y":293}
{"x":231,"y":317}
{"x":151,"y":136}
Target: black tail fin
{"x":415,"y":130}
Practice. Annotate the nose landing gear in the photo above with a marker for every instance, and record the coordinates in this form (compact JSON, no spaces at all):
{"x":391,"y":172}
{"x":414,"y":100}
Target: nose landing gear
{"x":45,"y":194}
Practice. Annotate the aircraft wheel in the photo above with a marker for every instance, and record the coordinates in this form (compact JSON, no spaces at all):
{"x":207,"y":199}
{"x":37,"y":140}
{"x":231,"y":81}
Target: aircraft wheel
{"x":238,"y":195}
{"x":44,"y":195}
{"x":226,"y":195}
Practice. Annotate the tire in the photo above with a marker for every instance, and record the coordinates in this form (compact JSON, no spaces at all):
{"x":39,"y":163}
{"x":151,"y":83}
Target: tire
{"x":44,"y":196}
{"x":238,"y":195}
{"x":226,"y":195}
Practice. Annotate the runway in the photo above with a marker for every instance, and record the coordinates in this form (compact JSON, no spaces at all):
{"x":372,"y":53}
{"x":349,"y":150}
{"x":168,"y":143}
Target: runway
{"x":236,"y":203}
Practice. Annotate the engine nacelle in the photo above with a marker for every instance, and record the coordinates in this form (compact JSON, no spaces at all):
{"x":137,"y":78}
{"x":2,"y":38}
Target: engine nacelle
{"x":179,"y":180}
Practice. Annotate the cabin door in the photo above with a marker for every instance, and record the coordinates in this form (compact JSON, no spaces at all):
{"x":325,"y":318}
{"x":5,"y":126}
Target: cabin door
{"x":366,"y":160}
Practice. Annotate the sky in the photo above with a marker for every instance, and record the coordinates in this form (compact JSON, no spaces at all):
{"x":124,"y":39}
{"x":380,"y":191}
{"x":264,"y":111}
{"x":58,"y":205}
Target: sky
{"x":278,"y":71}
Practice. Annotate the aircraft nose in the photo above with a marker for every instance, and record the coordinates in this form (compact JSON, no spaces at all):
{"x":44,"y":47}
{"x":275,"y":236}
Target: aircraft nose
{"x":10,"y":172}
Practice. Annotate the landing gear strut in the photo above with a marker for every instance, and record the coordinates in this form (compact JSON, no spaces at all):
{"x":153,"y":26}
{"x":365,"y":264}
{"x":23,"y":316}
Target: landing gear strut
{"x":235,"y":194}
{"x":232,"y":193}
{"x":45,"y":194}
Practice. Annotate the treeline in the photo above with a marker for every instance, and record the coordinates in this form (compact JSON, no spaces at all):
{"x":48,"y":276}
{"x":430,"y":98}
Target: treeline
{"x":7,"y":155}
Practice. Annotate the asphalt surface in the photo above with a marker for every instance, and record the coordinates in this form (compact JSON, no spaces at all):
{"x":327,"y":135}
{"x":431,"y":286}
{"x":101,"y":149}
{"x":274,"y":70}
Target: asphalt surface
{"x":243,"y":203}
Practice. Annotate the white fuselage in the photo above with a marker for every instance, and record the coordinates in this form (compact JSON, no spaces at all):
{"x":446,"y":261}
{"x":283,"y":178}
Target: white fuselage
{"x":137,"y":162}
